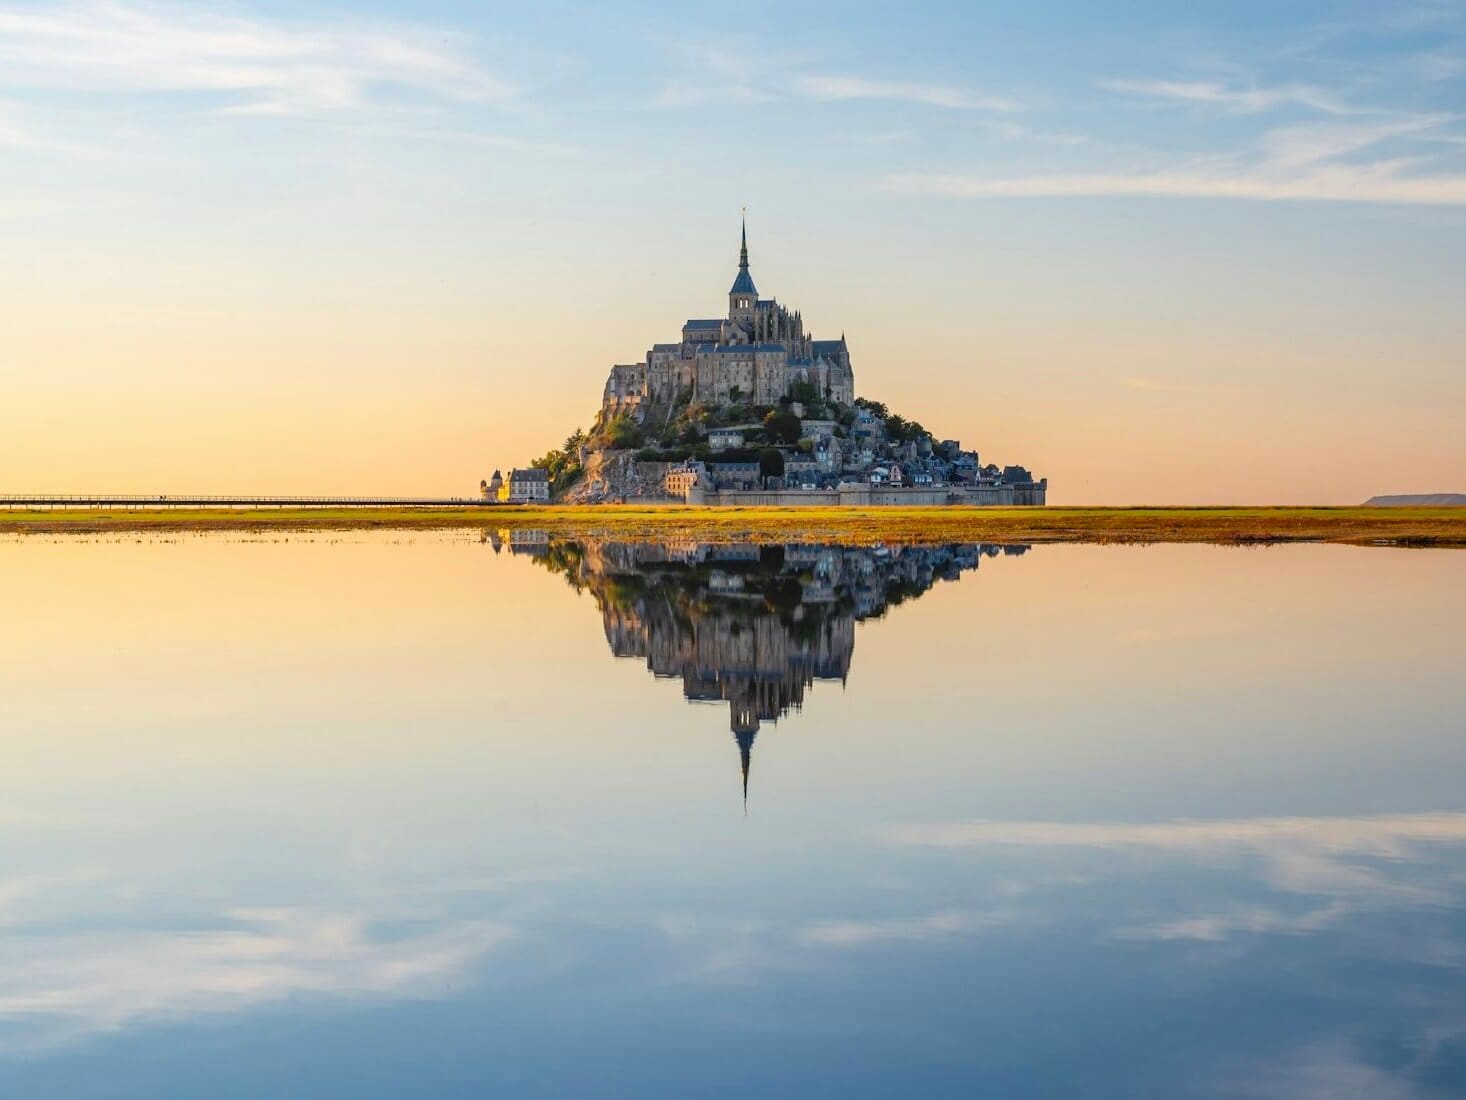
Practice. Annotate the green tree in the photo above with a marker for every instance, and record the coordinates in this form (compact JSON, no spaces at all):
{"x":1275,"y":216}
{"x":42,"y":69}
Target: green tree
{"x":806,"y":392}
{"x":771,"y":462}
{"x":782,"y":427}
{"x":901,"y":430}
{"x":622,"y":432}
{"x":562,"y":466}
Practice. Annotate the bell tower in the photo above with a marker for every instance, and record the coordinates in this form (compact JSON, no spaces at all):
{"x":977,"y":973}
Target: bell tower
{"x":744,"y":295}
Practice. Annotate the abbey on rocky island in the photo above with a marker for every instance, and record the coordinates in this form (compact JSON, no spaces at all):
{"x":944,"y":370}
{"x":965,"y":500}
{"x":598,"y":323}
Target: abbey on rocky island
{"x":759,"y":353}
{"x":751,"y":409}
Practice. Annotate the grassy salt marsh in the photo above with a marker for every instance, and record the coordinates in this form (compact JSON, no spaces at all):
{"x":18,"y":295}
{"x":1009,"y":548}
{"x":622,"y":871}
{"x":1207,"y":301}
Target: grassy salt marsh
{"x":1355,"y":525}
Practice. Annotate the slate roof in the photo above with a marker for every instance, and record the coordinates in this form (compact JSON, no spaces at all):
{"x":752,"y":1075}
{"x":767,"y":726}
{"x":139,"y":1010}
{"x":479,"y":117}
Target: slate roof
{"x":744,"y":283}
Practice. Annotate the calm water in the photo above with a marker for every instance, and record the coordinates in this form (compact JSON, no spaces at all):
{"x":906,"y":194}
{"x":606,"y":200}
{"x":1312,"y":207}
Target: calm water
{"x":445,"y":816}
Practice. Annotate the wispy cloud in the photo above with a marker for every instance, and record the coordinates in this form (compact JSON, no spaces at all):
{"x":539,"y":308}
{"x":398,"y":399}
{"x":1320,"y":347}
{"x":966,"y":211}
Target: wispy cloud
{"x":1243,"y":919}
{"x":896,"y":91}
{"x":56,"y":989}
{"x":261,"y":66}
{"x":1439,"y":66}
{"x":934,"y":926}
{"x":1354,"y":151}
{"x":1350,"y":865}
{"x":1316,"y":162}
{"x":718,"y":74}
{"x":1334,"y":1068}
{"x":1318,"y":856}
{"x":1248,"y":100}
{"x":1424,"y":16}
{"x":728,"y":85}
{"x":1288,"y":147}
{"x":472,"y":139}
{"x":1386,"y":835}
{"x":1379,"y":183}
{"x":688,"y":93}
{"x":17,"y":134}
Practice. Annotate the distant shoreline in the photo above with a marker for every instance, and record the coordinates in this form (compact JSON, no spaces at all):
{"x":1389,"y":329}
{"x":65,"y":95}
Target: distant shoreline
{"x":1356,"y":525}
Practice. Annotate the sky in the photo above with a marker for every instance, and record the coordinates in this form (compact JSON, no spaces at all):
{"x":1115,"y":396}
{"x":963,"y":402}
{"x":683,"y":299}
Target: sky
{"x":1158,"y":253}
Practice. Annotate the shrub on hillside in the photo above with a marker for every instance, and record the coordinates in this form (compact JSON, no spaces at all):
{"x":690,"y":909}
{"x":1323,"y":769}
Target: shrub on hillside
{"x":622,"y":433}
{"x":782,"y":427}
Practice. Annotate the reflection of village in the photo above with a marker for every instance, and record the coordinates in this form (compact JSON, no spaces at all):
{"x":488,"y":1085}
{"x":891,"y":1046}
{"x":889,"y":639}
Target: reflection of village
{"x":750,"y":625}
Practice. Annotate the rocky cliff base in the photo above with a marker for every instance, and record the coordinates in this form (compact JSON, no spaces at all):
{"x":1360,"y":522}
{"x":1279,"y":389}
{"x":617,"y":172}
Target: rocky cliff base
{"x":613,"y":477}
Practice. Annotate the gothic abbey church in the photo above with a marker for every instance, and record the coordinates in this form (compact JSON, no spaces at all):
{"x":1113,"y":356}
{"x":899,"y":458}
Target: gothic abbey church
{"x":759,"y":353}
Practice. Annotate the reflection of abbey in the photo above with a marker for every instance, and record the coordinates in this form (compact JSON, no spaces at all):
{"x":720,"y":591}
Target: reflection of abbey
{"x":752,"y":626}
{"x":759,"y":353}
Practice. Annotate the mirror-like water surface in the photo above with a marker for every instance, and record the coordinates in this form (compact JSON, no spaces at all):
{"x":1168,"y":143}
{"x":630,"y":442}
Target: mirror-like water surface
{"x":436,"y":815}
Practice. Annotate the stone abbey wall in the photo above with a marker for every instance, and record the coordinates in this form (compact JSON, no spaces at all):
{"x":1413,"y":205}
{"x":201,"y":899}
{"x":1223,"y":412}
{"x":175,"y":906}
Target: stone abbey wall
{"x":867,"y":496}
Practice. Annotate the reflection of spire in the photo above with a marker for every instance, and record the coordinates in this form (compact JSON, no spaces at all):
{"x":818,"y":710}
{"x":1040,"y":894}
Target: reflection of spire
{"x":666,"y":604}
{"x":745,"y":737}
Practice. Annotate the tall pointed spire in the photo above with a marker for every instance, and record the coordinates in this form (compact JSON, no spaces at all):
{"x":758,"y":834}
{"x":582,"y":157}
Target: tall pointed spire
{"x":744,"y":294}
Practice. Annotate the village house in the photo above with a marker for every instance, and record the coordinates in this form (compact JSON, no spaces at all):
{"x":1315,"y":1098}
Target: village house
{"x":827,"y":452}
{"x":817,"y":429}
{"x":867,"y":427}
{"x":735,"y":475}
{"x":682,"y":478}
{"x":800,"y":467}
{"x":526,"y":486}
{"x":721,"y":439}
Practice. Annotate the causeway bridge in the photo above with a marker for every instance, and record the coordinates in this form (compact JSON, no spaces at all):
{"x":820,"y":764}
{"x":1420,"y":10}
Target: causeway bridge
{"x":195,"y":500}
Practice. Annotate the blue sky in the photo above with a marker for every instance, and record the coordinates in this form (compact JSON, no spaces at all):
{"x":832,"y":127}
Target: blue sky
{"x":1054,"y":194}
{"x":1303,"y":101}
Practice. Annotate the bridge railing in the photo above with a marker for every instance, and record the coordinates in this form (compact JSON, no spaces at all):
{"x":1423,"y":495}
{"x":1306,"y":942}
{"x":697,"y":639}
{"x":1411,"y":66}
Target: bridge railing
{"x":204,"y":500}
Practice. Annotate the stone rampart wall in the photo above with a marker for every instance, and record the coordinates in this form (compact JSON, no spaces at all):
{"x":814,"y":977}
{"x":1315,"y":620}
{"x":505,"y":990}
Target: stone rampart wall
{"x":867,"y":496}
